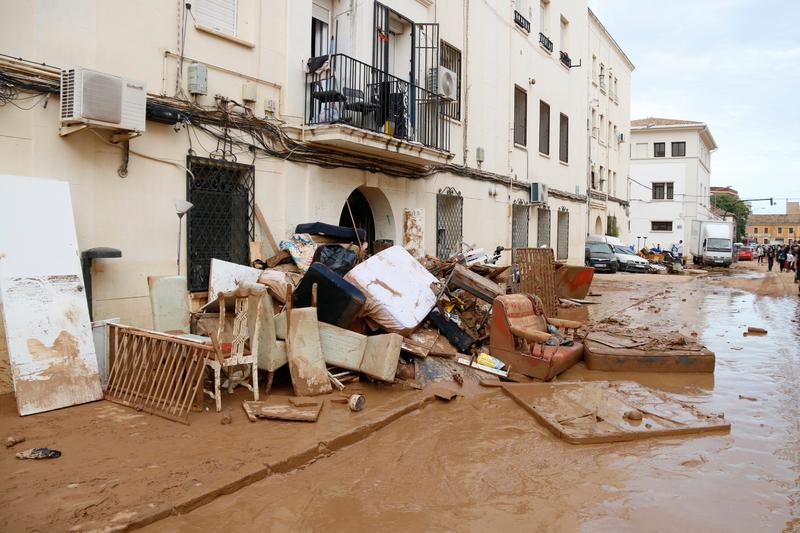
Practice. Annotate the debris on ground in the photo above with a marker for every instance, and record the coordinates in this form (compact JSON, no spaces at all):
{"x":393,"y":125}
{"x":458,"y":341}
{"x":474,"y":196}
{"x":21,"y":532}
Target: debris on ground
{"x":14,"y":440}
{"x":38,"y":453}
{"x":752,"y":330}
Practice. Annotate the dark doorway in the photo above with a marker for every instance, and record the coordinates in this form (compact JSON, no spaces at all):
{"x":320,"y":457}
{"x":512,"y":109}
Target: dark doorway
{"x":362,"y":214}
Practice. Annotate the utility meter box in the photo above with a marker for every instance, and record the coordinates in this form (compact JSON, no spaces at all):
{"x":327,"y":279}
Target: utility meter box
{"x":197,"y":79}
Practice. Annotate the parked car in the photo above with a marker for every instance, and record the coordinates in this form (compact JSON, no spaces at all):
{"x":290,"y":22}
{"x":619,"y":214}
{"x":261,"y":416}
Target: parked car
{"x":745,"y":253}
{"x":629,"y":261}
{"x":601,"y":256}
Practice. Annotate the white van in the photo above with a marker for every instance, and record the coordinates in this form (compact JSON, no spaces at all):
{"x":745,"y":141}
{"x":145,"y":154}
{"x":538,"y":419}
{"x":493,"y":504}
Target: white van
{"x":628,"y":260}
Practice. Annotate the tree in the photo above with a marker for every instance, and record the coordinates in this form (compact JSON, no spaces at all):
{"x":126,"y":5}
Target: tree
{"x":731,"y":204}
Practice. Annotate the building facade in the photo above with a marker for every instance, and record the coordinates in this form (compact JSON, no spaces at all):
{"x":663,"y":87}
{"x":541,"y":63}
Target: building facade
{"x":609,"y":123}
{"x":426,"y":124}
{"x":670,"y":179}
{"x":775,"y":229}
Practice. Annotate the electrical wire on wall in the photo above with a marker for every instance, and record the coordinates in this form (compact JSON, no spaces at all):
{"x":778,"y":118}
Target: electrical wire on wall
{"x":237,"y":130}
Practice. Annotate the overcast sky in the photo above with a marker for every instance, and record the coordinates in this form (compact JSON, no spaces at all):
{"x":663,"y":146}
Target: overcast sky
{"x":733,"y":64}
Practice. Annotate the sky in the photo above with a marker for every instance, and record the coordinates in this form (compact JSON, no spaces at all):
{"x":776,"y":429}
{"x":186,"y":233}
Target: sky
{"x":733,"y":64}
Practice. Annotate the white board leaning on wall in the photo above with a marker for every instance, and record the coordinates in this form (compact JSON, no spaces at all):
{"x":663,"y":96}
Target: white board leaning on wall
{"x":46,"y":318}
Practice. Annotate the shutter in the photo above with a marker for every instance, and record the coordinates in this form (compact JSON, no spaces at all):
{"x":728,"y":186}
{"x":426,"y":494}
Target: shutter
{"x":219,"y":15}
{"x":543,"y":227}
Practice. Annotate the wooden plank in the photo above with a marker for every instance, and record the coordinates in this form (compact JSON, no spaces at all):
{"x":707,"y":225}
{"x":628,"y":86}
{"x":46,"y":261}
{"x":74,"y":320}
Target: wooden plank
{"x":475,"y":284}
{"x":420,"y":342}
{"x":46,"y":318}
{"x":595,"y":412}
{"x":286,"y":412}
{"x":381,"y":356}
{"x":266,"y":230}
{"x":304,"y":353}
{"x":256,"y":249}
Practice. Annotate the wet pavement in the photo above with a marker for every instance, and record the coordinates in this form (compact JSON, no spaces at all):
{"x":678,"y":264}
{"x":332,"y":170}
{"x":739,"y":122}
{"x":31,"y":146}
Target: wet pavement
{"x":482,"y":462}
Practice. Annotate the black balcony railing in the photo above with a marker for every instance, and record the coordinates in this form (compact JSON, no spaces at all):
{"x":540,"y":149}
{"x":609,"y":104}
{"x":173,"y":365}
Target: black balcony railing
{"x":566,"y":59}
{"x":344,"y":90}
{"x":547,"y":43}
{"x":522,"y":22}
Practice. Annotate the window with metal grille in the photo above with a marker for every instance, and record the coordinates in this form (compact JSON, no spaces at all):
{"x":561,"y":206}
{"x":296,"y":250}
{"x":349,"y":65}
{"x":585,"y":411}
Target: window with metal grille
{"x":544,"y":128}
{"x":563,"y":139}
{"x":450,"y":58}
{"x":221,"y":223}
{"x":449,"y":220}
{"x":679,"y":149}
{"x":660,"y":225}
{"x":562,"y":251}
{"x":520,"y":219}
{"x":520,"y":116}
{"x":543,"y":227}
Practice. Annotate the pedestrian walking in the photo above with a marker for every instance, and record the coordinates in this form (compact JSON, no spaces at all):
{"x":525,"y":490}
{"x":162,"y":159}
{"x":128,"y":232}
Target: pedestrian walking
{"x":770,"y":257}
{"x":782,"y":258}
{"x":760,"y":254}
{"x":789,"y":261}
{"x":680,"y":251}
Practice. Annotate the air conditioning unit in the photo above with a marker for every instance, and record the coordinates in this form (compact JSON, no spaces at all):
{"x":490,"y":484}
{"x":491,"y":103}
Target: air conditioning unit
{"x":538,"y":193}
{"x":98,"y":99}
{"x":444,"y":82}
{"x":621,"y":138}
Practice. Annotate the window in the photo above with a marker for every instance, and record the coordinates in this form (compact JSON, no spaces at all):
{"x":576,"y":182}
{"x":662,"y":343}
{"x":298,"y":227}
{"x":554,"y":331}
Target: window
{"x":616,"y":137}
{"x":659,"y":149}
{"x":543,"y":227}
{"x":602,"y":77}
{"x":563,"y":139}
{"x":219,"y":15}
{"x":520,"y":218}
{"x":564,"y":34}
{"x":602,"y":128}
{"x":755,"y":231}
{"x":663,"y":191}
{"x":660,"y":226}
{"x":449,"y":222}
{"x":594,"y":123}
{"x":780,"y":230}
{"x":594,"y":67}
{"x":679,"y":149}
{"x":640,"y":150}
{"x":544,"y":19}
{"x":450,"y":58}
{"x":221,"y":224}
{"x":562,"y":234}
{"x":791,"y":230}
{"x":544,"y":128}
{"x":520,"y":117}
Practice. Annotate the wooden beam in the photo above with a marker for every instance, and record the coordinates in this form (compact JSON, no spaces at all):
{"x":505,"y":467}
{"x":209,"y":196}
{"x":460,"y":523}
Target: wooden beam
{"x":265,"y":229}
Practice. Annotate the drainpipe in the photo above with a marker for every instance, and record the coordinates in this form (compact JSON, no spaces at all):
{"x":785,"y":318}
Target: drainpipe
{"x":465,"y":122}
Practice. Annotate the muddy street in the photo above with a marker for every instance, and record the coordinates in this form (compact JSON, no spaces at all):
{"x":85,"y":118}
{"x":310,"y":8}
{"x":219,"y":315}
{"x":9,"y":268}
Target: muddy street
{"x":482,"y":462}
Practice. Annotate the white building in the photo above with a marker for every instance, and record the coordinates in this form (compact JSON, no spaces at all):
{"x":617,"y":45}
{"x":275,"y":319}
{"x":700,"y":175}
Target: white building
{"x":670,"y":179}
{"x":610,"y":114}
{"x":380,"y":125}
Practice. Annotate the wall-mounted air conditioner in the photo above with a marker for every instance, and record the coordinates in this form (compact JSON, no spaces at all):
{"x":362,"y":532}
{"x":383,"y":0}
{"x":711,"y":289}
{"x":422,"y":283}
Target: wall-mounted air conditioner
{"x":444,"y":82}
{"x":538,"y":193}
{"x":103,"y":100}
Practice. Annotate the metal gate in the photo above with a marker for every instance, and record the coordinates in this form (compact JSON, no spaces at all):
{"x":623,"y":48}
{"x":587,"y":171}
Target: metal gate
{"x":520,"y":220}
{"x":449,"y":220}
{"x":221,"y":223}
{"x":563,"y":234}
{"x":543,"y":227}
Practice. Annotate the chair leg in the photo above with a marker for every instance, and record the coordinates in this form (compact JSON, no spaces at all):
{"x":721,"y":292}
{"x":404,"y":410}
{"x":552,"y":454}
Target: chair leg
{"x":255,"y":380}
{"x":217,"y":391}
{"x":270,"y":375}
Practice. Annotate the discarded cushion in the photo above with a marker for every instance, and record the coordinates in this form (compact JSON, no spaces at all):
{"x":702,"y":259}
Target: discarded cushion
{"x":339,"y":302}
{"x":329,"y":230}
{"x":397,"y":287}
{"x":337,"y":258}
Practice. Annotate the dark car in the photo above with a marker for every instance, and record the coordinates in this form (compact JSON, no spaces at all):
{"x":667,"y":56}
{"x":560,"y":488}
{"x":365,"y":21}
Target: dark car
{"x":601,"y":256}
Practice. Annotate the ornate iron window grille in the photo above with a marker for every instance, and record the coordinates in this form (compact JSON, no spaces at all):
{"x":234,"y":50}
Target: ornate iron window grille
{"x":449,"y":222}
{"x":543,"y":227}
{"x":522,"y":22}
{"x":545,"y":42}
{"x":221,"y":223}
{"x":520,"y":220}
{"x":562,"y":221}
{"x":566,"y":59}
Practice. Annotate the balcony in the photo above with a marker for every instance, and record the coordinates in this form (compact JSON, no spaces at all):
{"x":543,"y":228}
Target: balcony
{"x":355,"y":106}
{"x":546,"y":43}
{"x":522,"y":22}
{"x":566,"y":60}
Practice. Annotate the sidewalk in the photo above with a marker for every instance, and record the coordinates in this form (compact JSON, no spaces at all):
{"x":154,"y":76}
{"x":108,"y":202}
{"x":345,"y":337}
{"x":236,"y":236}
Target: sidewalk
{"x":121,"y":468}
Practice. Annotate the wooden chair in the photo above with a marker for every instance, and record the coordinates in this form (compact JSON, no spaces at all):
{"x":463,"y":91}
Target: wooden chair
{"x":240,"y":347}
{"x":518,"y":336}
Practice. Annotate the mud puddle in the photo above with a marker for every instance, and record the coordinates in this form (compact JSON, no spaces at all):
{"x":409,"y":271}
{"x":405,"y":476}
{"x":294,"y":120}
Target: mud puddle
{"x":483,"y":463}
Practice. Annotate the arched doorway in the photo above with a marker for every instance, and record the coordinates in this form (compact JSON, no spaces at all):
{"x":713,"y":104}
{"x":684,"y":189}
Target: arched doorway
{"x":373,"y":213}
{"x":598,"y":226}
{"x":361,"y":215}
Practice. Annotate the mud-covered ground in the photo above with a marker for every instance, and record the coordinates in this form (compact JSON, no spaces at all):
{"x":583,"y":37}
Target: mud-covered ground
{"x":482,"y":463}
